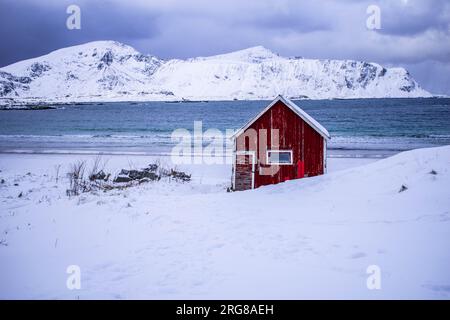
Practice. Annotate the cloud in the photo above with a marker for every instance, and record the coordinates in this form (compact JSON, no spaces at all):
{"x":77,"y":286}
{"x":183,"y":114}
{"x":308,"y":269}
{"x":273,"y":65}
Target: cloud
{"x":413,"y":17}
{"x":413,"y":32}
{"x":31,"y":28}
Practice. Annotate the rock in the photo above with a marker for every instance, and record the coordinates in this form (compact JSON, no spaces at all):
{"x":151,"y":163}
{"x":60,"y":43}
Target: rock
{"x":137,"y":174}
{"x":180,"y":175}
{"x":152,"y":167}
{"x":149,"y":174}
{"x":140,"y":174}
{"x":39,"y":107}
{"x":101,"y":175}
{"x":145,"y":175}
{"x":124,"y":172}
{"x":107,"y":58}
{"x":144,"y":180}
{"x":122,"y":178}
{"x":37,"y":69}
{"x":152,"y":176}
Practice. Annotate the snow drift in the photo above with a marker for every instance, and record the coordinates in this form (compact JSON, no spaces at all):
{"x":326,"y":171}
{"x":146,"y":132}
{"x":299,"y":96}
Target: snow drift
{"x":310,"y":238}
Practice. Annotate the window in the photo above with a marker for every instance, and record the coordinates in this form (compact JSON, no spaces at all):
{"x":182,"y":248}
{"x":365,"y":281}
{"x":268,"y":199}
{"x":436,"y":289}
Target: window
{"x":279,"y":157}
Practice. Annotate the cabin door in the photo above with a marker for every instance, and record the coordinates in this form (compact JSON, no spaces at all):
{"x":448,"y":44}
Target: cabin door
{"x":245,"y":170}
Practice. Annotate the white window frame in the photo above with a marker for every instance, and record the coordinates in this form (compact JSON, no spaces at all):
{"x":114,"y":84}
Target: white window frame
{"x":279,"y":163}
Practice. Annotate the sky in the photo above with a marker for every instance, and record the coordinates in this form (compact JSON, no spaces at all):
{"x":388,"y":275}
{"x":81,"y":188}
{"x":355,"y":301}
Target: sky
{"x":414,"y":34}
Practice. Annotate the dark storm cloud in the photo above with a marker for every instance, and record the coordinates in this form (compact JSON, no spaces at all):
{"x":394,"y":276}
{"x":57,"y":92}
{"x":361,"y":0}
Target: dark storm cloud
{"x":298,"y":17}
{"x":414,"y":17}
{"x":414,"y":33}
{"x":33,"y":28}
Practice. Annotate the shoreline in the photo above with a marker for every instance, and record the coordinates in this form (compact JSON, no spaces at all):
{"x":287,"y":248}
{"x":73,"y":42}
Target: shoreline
{"x":30,"y":105}
{"x":332,"y":153}
{"x":168,"y":155}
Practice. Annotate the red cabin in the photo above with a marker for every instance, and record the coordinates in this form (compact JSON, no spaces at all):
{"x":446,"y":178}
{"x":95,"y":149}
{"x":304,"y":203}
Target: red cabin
{"x":281,"y":143}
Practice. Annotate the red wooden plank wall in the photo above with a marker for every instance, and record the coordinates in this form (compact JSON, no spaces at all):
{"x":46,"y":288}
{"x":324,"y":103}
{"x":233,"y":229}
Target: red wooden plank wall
{"x":294,"y":134}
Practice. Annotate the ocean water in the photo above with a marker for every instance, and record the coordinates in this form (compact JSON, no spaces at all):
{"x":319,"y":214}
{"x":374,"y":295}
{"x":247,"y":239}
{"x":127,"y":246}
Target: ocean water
{"x":359,"y":128}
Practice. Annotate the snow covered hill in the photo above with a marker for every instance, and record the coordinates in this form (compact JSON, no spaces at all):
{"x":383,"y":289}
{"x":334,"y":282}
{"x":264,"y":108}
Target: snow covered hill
{"x":111,"y":71}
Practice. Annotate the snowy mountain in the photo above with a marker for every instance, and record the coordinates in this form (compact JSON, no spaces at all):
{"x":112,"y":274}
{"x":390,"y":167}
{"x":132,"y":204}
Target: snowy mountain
{"x":111,"y":71}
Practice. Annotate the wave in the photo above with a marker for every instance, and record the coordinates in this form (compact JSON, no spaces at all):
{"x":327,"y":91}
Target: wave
{"x":356,"y":154}
{"x":80,"y":136}
{"x":161,"y":144}
{"x":168,"y":134}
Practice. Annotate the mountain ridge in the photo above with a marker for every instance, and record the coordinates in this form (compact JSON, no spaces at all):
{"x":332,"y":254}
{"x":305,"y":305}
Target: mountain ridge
{"x":111,"y":71}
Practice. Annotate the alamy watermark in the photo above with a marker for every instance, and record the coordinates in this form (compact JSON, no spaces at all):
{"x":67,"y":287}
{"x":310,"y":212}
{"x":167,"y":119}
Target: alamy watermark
{"x":373,"y":21}
{"x":215,"y":146}
{"x":373,"y":281}
{"x":73,"y":21}
{"x":73,"y":281}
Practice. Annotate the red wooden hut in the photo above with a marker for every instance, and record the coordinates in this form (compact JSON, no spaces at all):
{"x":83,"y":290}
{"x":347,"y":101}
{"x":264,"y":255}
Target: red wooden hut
{"x":281,"y":143}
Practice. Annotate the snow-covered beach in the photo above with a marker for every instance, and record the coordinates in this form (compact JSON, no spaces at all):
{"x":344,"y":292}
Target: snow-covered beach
{"x":311,"y":238}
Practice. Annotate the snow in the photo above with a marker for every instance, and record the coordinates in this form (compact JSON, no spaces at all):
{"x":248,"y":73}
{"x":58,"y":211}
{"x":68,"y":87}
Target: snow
{"x":309,"y":238}
{"x":299,"y":111}
{"x":250,"y":55}
{"x":111,"y":71}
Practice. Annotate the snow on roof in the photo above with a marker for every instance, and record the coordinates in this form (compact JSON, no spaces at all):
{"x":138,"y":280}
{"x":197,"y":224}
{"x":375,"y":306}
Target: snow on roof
{"x":291,"y":105}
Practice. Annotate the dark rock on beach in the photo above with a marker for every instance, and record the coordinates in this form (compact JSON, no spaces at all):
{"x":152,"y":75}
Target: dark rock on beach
{"x":180,"y":175}
{"x":101,"y":175}
{"x":122,"y":178}
{"x":150,"y":173}
{"x":137,"y":175}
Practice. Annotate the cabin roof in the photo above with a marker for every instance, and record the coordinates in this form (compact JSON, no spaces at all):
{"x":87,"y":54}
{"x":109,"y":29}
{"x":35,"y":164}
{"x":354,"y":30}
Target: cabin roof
{"x":296,"y":109}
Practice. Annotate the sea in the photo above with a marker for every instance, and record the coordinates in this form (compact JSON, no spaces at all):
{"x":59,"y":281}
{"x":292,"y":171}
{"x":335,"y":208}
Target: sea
{"x":372,"y":128}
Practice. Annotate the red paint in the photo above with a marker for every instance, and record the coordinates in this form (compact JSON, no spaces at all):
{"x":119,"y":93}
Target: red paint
{"x":300,"y":169}
{"x":295,"y":134}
